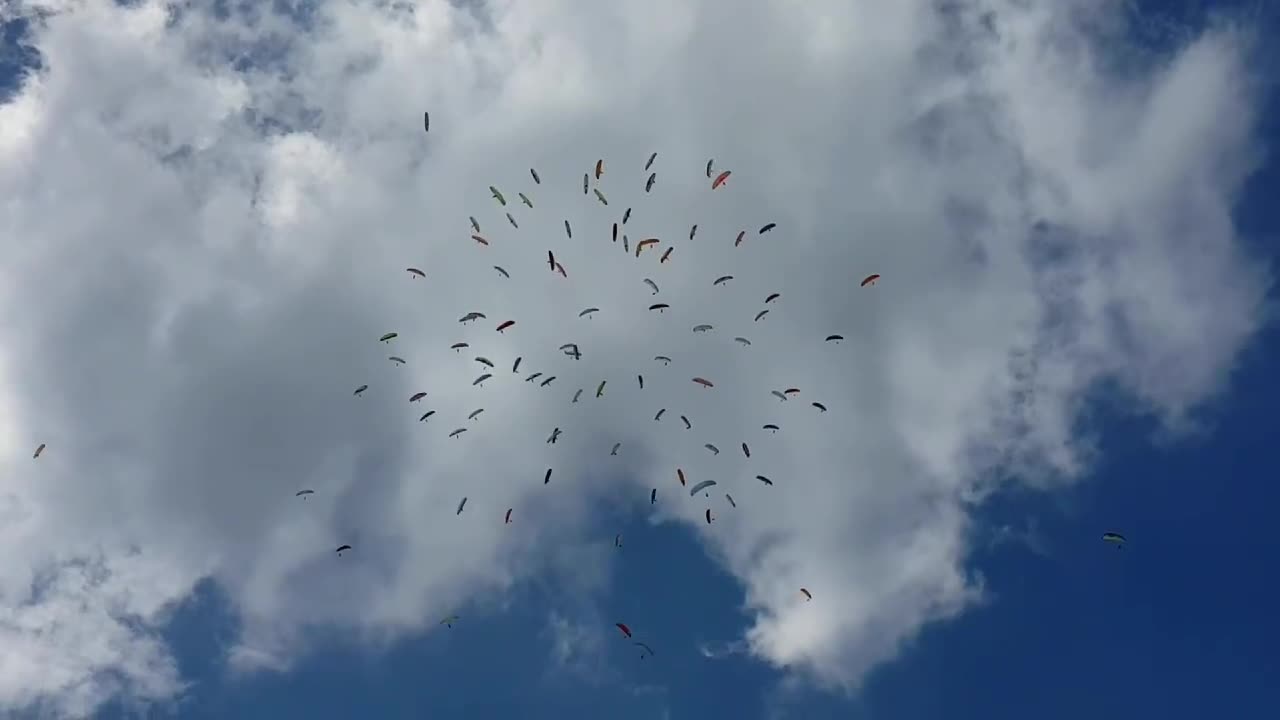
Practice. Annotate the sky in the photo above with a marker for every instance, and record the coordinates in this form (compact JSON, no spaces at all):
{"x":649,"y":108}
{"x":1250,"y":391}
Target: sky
{"x":208,"y":210}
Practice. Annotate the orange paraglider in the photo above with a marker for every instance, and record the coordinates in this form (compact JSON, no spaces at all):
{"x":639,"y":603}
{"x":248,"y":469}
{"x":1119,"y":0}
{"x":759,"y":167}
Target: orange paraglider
{"x":715,"y":185}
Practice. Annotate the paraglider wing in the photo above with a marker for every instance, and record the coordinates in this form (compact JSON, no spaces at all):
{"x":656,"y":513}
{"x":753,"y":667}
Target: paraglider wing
{"x":746,"y":450}
{"x":869,"y":280}
{"x":767,"y":227}
{"x":516,"y":366}
{"x":659,"y":415}
{"x":708,"y":516}
{"x":720,"y":180}
{"x":359,"y":390}
{"x":680,"y":476}
{"x":589,"y":311}
{"x":807,"y":594}
{"x":738,"y":240}
{"x":653,"y":496}
{"x":614,"y":451}
{"x":525,"y":199}
{"x":659,"y":306}
{"x":820,"y":406}
{"x":475,"y":414}
{"x":417,"y":396}
{"x":507,"y":519}
{"x":426,"y":122}
{"x":599,"y":168}
{"x":479,"y":239}
{"x":722,"y":279}
{"x":460,"y":506}
{"x":640,"y":246}
{"x":693,"y":231}
{"x":546,"y":478}
{"x":729,"y":497}
{"x":600,"y":388}
{"x":300,"y":493}
{"x":600,"y":196}
{"x":40,"y":449}
{"x":652,"y":284}
{"x":770,"y":426}
{"x":772,"y":297}
{"x":700,"y":487}
{"x":506,"y":325}
{"x":665,"y":255}
{"x":584,"y":183}
{"x":498,"y":196}
{"x":687,"y":424}
{"x":649,"y":183}
{"x":1114,"y":538}
{"x":426,"y":415}
{"x":457,"y":432}
{"x":415,"y":271}
{"x":703,"y":382}
{"x":714,"y":450}
{"x":702,"y":328}
{"x":474,"y":225}
{"x":512,"y":221}
{"x":834,"y":338}
{"x":626,"y":216}
{"x":663,"y":359}
{"x":484,"y":361}
{"x":709,"y":164}
{"x":615,"y":232}
{"x":504,"y":273}
{"x":744,"y":341}
{"x":761,"y":314}
{"x":546,"y":382}
{"x":537,"y":180}
{"x":625,"y":630}
{"x":481,"y":379}
{"x":650,"y":162}
{"x":764,"y":480}
{"x":389,"y":337}
{"x":646,"y":647}
{"x":551,"y":260}
{"x":341,"y":548}
{"x":778,"y":394}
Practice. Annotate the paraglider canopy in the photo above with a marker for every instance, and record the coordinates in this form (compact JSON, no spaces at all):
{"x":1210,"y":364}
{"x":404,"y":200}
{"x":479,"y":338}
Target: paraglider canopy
{"x":869,"y":280}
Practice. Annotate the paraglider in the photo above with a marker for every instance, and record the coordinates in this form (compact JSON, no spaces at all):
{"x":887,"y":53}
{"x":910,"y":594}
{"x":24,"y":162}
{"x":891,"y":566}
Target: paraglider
{"x":715,"y":185}
{"x":729,"y":497}
{"x":614,"y":451}
{"x":626,"y":216}
{"x":551,"y":260}
{"x":646,"y":647}
{"x":417,"y":396}
{"x":617,"y":540}
{"x":650,"y":162}
{"x":506,"y":325}
{"x":484,"y":361}
{"x":687,"y":425}
{"x":746,"y":450}
{"x":533,"y":377}
{"x":600,"y":196}
{"x":771,"y":427}
{"x":449,"y":621}
{"x":560,"y":269}
{"x":426,"y":415}
{"x":341,"y":548}
{"x":808,"y":595}
{"x":702,"y":328}
{"x":680,"y":476}
{"x":665,"y":255}
{"x":1115,"y":539}
{"x":714,"y":450}
{"x":659,"y":306}
{"x":584,"y":183}
{"x":703,"y":382}
{"x":474,"y":224}
{"x":547,"y":478}
{"x":625,"y":630}
{"x":761,"y":314}
{"x":640,"y":379}
{"x":662,"y":359}
{"x":599,"y":168}
{"x":652,"y":285}
{"x":512,"y":221}
{"x":820,"y":406}
{"x":745,"y":342}
{"x":537,"y":180}
{"x":600,"y":388}
{"x":792,"y":391}
{"x":568,"y":230}
{"x":659,"y":415}
{"x":653,"y":496}
{"x":546,"y":382}
{"x":481,"y":379}
{"x":359,"y":390}
{"x":525,"y":199}
{"x":738,"y":240}
{"x":649,"y":184}
{"x":457,"y":432}
{"x":693,"y":231}
{"x":722,"y":279}
{"x":38,"y":451}
{"x":426,"y":122}
{"x":577,"y":395}
{"x":497,"y":195}
{"x":416,"y":272}
{"x":389,"y":337}
{"x":708,"y":516}
{"x":772,"y":297}
{"x":834,"y":338}
{"x":479,"y":239}
{"x":503,"y":272}
{"x":869,"y":280}
{"x":764,"y":480}
{"x":700,"y":487}
{"x":640,"y":246}
{"x":516,"y":366}
{"x":396,"y":359}
{"x":709,"y":164}
{"x":615,"y":232}
{"x":475,"y":414}
{"x":460,"y":506}
{"x":778,"y":394}
{"x":304,"y":493}
{"x":507,"y":519}
{"x":767,"y":227}
{"x":555,"y":433}
{"x":589,"y":311}
{"x":469,"y":317}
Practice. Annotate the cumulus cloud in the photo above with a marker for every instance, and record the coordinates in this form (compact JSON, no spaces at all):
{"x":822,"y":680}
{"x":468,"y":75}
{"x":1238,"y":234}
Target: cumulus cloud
{"x":207,"y":217}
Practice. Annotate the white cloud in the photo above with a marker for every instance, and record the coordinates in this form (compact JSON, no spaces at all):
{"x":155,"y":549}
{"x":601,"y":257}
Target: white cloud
{"x":199,"y":260}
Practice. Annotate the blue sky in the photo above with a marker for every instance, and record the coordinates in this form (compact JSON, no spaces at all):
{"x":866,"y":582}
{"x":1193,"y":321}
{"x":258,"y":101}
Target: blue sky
{"x":1180,"y":624}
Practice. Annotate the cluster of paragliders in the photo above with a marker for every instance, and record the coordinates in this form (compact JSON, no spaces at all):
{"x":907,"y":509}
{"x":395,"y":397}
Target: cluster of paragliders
{"x":573,"y":351}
